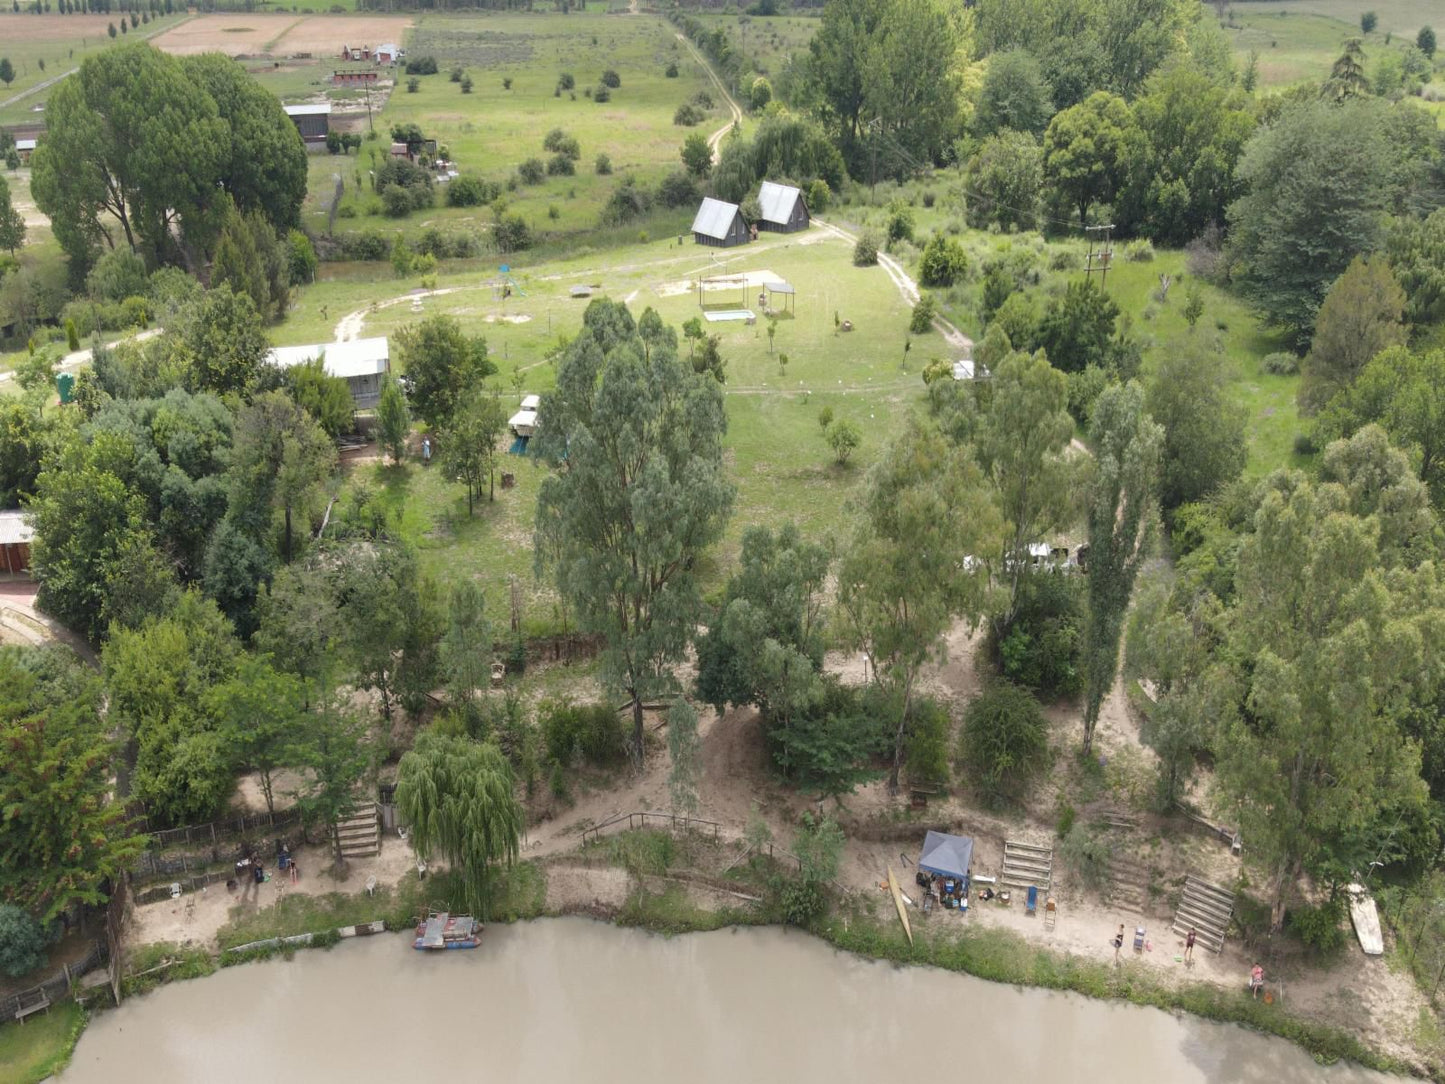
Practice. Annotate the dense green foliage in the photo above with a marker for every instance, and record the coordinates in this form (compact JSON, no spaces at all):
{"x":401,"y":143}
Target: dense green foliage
{"x":1005,"y":740}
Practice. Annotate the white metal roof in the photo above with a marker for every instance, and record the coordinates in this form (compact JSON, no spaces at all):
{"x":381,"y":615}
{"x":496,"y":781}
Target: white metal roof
{"x":14,"y":528}
{"x":531,"y":402}
{"x":25,"y":144}
{"x":777,"y":202}
{"x":359,"y":357}
{"x":523,"y":419}
{"x":309,"y":109}
{"x":963,"y":369}
{"x":714,"y":218}
{"x":387,"y":47}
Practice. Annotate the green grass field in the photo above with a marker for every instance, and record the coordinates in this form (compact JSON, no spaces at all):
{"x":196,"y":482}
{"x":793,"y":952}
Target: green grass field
{"x":490,"y":131}
{"x":40,"y":1047}
{"x":62,"y":42}
{"x":1298,"y":40}
{"x":767,"y":42}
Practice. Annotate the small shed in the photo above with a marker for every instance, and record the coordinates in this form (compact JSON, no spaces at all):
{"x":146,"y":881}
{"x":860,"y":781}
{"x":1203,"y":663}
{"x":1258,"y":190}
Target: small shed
{"x":25,"y":148}
{"x":15,"y":538}
{"x":946,"y":855}
{"x":354,"y":77}
{"x":783,"y":208}
{"x":356,"y":52}
{"x":719,"y":224}
{"x":312,"y":120}
{"x":361,"y":363}
{"x":387,"y":53}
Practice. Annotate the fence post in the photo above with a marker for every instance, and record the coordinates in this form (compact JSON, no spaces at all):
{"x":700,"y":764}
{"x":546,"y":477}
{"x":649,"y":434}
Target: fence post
{"x":213,"y":833}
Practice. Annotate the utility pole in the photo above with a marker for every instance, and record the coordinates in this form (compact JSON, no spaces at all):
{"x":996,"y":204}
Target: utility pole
{"x":1101,"y":252}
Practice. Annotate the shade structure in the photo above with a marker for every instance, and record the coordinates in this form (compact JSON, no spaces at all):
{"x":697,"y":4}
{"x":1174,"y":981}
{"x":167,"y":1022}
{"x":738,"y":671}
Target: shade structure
{"x":946,"y":855}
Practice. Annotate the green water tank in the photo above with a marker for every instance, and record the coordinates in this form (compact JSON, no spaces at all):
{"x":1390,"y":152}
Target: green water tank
{"x":65,"y":385}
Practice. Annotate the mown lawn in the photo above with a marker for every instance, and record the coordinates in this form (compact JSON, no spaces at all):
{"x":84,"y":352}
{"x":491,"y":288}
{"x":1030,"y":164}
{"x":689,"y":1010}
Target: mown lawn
{"x":40,"y":1047}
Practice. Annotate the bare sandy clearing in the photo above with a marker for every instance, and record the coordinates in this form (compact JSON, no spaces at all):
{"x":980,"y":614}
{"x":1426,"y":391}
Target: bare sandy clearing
{"x":251,"y":34}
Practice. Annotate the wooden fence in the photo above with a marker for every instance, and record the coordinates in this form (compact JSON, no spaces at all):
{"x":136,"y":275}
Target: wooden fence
{"x":54,"y":989}
{"x":230,"y":826}
{"x":625,"y":822}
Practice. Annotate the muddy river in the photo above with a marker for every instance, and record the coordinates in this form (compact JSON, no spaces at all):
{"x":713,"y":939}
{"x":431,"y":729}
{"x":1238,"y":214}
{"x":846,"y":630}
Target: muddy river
{"x":577,"y":1001}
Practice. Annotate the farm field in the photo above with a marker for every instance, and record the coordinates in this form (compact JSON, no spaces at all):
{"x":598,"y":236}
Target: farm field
{"x":1296,"y":42}
{"x":281,"y":35}
{"x":767,"y":42}
{"x":62,"y":42}
{"x":492,"y":130}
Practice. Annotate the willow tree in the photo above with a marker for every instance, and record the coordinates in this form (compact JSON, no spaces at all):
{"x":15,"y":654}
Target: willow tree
{"x":910,"y":569}
{"x":458,"y":798}
{"x":636,"y":495}
{"x":1122,"y":512}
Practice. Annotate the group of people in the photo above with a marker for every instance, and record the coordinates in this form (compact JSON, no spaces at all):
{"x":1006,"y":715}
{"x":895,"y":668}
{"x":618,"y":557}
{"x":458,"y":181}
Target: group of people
{"x":250,"y":869}
{"x":1256,"y":973}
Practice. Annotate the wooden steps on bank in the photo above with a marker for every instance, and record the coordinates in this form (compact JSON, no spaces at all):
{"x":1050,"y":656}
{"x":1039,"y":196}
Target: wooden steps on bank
{"x":1207,"y":909}
{"x":359,"y":835}
{"x":1026,"y":864}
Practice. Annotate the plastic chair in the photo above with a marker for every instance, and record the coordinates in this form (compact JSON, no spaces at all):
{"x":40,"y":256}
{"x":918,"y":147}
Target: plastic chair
{"x":1051,"y":913}
{"x":1031,"y":904}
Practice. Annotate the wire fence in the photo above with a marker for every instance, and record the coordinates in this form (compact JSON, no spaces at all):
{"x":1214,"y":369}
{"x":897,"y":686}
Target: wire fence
{"x":215,"y":831}
{"x":627,"y":822}
{"x":1417,"y":917}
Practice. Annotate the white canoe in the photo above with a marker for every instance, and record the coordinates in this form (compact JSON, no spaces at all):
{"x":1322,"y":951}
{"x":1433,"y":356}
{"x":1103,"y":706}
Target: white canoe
{"x":1366,"y":920}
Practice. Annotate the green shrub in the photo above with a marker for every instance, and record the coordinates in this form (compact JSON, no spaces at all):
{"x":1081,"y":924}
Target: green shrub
{"x":396,"y":201}
{"x":1140,"y":251}
{"x":457,"y":73}
{"x":531,"y":171}
{"x":688,"y":115}
{"x":803,"y":902}
{"x":900,"y":222}
{"x":512,"y":233}
{"x":926,"y":746}
{"x":1087,"y":856}
{"x":943,"y":263}
{"x":671,"y":70}
{"x":1320,"y":927}
{"x":412,"y":86}
{"x":471,"y":192}
{"x":1040,"y":648}
{"x":1067,"y":816}
{"x":604,"y":165}
{"x":565,"y":81}
{"x":1281,"y":363}
{"x":819,"y":196}
{"x":589,"y":733}
{"x":611,"y":79}
{"x":22,"y":942}
{"x":422,"y":65}
{"x":560,"y":165}
{"x":921,"y":321}
{"x":1005,"y":740}
{"x":865,"y":252}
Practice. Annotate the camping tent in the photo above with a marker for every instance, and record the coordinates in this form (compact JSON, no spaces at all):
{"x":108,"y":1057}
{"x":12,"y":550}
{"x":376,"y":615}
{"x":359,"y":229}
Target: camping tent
{"x":946,"y":855}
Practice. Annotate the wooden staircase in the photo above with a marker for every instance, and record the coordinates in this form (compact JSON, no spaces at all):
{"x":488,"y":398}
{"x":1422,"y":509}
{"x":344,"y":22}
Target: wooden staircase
{"x":1026,"y":864}
{"x":359,"y":835}
{"x":1207,"y":909}
{"x":1129,"y":881}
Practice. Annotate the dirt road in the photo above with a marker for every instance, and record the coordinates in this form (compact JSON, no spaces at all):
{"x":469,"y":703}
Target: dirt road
{"x":736,"y":113}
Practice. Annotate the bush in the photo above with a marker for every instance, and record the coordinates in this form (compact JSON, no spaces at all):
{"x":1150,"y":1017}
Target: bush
{"x":671,"y":70}
{"x":565,"y":81}
{"x":688,"y":115}
{"x":611,"y":79}
{"x":819,"y":196}
{"x":531,"y":171}
{"x":1140,"y":251}
{"x":601,"y":94}
{"x":944,"y":262}
{"x":1087,"y":856}
{"x":559,"y":165}
{"x":865,"y":252}
{"x":396,"y":201}
{"x":921,"y":322}
{"x":677,"y":189}
{"x":1321,"y":928}
{"x":803,"y":902}
{"x":604,"y":165}
{"x":1084,"y":388}
{"x":471,"y":192}
{"x":456,"y":74}
{"x":467,"y":84}
{"x":22,"y":942}
{"x":412,"y":86}
{"x":422,"y":65}
{"x":582,"y":733}
{"x":1040,"y":649}
{"x":1281,"y":363}
{"x":629,"y":201}
{"x":512,"y":233}
{"x":1065,"y":259}
{"x":900,"y":223}
{"x":1005,"y":740}
{"x":926,"y":749}
{"x":559,"y":142}
{"x":370,"y":245}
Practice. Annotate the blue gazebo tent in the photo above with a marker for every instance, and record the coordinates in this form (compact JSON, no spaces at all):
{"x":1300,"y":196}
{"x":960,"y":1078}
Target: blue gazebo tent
{"x":946,"y":855}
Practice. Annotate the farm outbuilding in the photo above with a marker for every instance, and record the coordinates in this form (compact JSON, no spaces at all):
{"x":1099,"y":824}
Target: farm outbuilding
{"x":312,"y":120}
{"x":783,"y":209}
{"x":719,"y":224}
{"x":356,"y":52}
{"x":25,"y":148}
{"x":388,"y":53}
{"x":15,"y":538}
{"x":360,"y":362}
{"x":354,"y":77}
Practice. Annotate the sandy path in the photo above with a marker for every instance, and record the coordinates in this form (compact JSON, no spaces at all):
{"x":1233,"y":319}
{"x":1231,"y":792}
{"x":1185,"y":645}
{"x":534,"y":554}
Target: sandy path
{"x":715,"y":140}
{"x":73,"y":361}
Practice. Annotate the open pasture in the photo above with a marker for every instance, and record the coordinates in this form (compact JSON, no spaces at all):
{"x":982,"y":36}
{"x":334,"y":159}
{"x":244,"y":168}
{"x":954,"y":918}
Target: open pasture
{"x":281,"y":35}
{"x":492,"y":130}
{"x":767,"y":42}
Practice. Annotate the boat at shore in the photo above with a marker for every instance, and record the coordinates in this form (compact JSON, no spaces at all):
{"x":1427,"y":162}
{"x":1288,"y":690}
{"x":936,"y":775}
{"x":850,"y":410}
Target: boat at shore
{"x":1366,"y":920}
{"x":440,"y":930}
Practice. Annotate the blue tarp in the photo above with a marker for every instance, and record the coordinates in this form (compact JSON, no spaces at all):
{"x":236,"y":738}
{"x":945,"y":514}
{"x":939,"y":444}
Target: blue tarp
{"x":946,"y":855}
{"x":519,"y":446}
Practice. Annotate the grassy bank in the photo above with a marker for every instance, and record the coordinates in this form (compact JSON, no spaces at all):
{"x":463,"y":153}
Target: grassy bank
{"x":40,"y":1047}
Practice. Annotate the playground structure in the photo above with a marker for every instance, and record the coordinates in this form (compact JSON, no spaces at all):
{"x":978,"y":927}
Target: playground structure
{"x":504,"y":285}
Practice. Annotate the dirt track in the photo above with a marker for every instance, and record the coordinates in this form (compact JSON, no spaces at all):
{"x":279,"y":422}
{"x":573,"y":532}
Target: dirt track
{"x":252,"y":34}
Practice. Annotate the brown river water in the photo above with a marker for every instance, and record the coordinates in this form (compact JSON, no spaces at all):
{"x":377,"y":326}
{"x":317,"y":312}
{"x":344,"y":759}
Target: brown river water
{"x":576,"y":1001}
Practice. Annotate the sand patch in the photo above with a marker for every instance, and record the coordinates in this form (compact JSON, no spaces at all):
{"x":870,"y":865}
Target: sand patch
{"x":735,"y":281}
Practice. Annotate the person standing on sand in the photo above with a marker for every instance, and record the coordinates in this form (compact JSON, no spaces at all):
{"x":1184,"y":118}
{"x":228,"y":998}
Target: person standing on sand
{"x":1118,"y":942}
{"x":1189,"y":946}
{"x":1256,"y":980}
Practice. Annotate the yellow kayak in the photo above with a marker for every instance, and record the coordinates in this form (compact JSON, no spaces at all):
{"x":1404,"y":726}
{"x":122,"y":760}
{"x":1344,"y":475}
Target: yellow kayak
{"x":898,"y":902}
